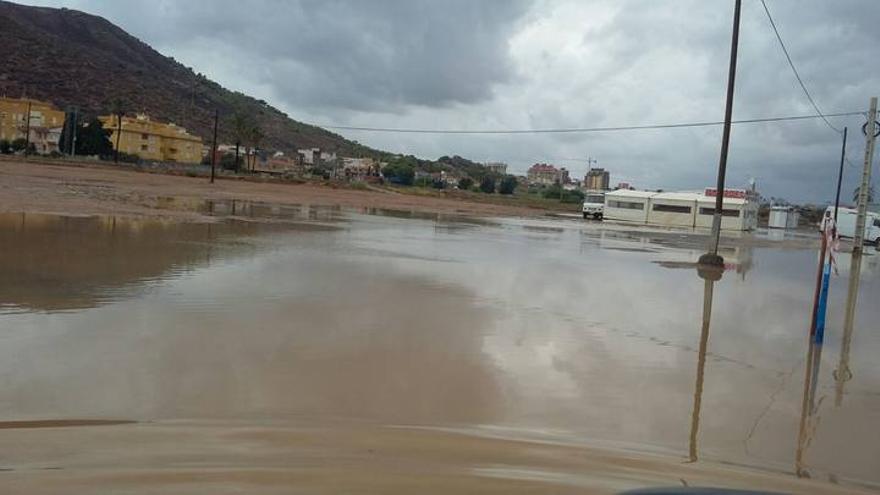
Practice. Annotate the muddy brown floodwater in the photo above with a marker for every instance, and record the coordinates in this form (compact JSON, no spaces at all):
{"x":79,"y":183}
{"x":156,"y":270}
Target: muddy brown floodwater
{"x":332,"y":350}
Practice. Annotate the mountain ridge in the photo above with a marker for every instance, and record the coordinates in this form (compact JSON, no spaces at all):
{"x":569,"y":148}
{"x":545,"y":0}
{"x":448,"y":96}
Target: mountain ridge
{"x":73,"y":58}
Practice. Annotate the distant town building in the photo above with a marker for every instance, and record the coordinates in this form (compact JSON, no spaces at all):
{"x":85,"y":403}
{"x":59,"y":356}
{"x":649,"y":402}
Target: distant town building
{"x":316,"y":156}
{"x":451,"y":180}
{"x":279,"y":163}
{"x":153,"y":140}
{"x":359,"y":168}
{"x":624,"y":185}
{"x":497,"y":167}
{"x":46,"y":123}
{"x":545,"y":174}
{"x":597,"y":179}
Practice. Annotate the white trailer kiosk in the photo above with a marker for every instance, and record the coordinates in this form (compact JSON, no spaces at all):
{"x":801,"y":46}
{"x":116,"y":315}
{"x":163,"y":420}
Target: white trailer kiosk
{"x":673,"y":209}
{"x":739,"y":212}
{"x":783,"y":217}
{"x":625,"y":205}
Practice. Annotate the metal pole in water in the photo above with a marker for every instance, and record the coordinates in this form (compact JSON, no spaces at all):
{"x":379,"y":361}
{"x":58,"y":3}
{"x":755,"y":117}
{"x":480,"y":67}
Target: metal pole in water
{"x":712,"y":257}
{"x":818,"y":290}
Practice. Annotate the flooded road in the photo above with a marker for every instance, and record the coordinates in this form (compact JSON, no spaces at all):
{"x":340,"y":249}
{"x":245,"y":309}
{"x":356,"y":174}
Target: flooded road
{"x":552,"y":331}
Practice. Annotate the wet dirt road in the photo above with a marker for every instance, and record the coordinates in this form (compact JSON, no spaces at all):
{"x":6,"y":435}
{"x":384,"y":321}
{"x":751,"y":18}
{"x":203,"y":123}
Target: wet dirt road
{"x":332,"y":350}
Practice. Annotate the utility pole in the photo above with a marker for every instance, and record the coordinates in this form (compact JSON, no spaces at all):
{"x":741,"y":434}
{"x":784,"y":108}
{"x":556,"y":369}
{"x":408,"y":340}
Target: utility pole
{"x":214,"y":146}
{"x":839,"y":178}
{"x":843,"y":373}
{"x":73,"y":141}
{"x":75,"y":124}
{"x":870,"y":131}
{"x":118,"y":134}
{"x":712,"y":258}
{"x":27,"y":132}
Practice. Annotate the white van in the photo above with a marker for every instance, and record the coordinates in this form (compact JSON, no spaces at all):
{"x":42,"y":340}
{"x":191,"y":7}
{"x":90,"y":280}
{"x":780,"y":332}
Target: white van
{"x":594,"y":204}
{"x":846,"y":224}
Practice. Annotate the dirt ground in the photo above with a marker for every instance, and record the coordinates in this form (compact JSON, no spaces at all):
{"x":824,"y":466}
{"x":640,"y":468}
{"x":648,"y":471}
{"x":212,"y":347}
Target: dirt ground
{"x":219,"y":457}
{"x":100,"y":189}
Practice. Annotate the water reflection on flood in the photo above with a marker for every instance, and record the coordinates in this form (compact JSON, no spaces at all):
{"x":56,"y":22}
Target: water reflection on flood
{"x":65,"y":263}
{"x":581,"y":334}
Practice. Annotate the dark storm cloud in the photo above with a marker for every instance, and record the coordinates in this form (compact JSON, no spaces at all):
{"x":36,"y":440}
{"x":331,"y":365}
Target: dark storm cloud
{"x":546,"y":64}
{"x":363,"y":55}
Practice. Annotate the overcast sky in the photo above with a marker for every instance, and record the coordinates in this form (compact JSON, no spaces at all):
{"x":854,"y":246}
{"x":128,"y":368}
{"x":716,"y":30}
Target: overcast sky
{"x":504,"y":64}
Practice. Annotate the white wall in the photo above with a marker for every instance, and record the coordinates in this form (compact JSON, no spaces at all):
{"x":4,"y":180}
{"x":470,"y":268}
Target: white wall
{"x":672,"y":219}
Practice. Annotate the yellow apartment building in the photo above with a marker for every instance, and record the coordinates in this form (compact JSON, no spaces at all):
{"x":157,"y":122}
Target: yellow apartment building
{"x":154,"y":140}
{"x":45,"y":124}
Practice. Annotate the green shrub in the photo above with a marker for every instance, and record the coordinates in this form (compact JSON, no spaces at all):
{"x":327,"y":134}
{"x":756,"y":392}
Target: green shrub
{"x":507,"y":185}
{"x":575,"y":196}
{"x":487,"y":185}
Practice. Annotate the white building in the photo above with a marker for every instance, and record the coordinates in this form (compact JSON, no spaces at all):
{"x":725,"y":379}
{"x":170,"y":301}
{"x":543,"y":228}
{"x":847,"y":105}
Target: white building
{"x":625,"y":205}
{"x":682,"y":209}
{"x":314,"y":156}
{"x":673,"y":209}
{"x":783,"y":217}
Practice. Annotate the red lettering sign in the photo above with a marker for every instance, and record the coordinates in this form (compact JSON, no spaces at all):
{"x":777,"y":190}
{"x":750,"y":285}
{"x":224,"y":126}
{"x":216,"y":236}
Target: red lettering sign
{"x":728,"y":193}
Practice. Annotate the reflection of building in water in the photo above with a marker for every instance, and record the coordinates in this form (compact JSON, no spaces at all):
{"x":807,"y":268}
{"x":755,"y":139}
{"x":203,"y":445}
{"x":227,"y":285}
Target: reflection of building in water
{"x":53,"y":263}
{"x":676,"y":251}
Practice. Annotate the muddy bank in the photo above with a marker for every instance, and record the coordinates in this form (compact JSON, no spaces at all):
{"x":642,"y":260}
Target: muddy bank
{"x":341,"y":457}
{"x":102,"y":190}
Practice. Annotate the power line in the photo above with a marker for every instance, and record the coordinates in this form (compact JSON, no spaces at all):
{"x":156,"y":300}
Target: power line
{"x":582,"y":129}
{"x":793,"y":69}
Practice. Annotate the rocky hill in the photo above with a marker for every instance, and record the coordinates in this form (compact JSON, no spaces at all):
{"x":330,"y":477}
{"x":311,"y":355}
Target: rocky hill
{"x":76,"y":59}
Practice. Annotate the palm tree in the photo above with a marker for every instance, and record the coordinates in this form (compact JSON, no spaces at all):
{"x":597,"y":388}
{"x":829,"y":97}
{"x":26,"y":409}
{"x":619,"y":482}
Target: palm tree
{"x":858,"y":190}
{"x":241,"y":128}
{"x":255,"y":137}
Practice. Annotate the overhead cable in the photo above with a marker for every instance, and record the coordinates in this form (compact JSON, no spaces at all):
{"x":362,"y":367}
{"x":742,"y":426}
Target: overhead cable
{"x":793,"y":69}
{"x":575,"y":130}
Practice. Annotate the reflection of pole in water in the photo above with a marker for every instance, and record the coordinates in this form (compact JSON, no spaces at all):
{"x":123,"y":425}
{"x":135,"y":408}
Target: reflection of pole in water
{"x":809,"y":405}
{"x":816,"y":338}
{"x":701,"y":361}
{"x":842,"y":374}
{"x":814,"y":354}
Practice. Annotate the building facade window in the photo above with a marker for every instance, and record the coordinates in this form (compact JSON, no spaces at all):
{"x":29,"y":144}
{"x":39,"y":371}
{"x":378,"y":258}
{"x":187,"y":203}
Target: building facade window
{"x":627,"y":205}
{"x":145,"y":136}
{"x":144,"y":147}
{"x":724,"y":213}
{"x":672,"y":208}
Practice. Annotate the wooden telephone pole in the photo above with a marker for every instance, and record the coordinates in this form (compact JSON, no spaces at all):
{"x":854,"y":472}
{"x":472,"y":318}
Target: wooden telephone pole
{"x":711,"y":258}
